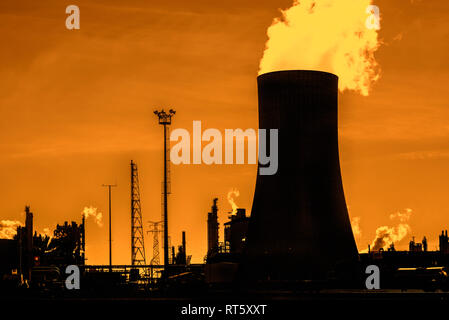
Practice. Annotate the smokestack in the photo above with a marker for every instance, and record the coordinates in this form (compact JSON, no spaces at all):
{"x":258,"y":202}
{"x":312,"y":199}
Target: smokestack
{"x":29,"y":228}
{"x":83,"y":239}
{"x":212,"y":229}
{"x":29,"y":240}
{"x":299,"y":227}
{"x":184,"y":244}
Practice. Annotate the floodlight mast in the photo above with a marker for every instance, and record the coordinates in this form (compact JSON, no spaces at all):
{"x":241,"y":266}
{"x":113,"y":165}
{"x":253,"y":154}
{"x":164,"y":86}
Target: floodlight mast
{"x":165,"y":120}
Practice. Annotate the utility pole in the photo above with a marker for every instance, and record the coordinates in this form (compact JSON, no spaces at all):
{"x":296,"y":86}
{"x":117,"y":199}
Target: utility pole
{"x":110,"y":228}
{"x":165,"y":120}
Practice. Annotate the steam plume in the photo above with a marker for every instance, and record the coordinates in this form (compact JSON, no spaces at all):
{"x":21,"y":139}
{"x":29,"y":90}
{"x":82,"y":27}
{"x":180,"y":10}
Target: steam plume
{"x":231,"y":195}
{"x":92,"y":212}
{"x":325,"y":35}
{"x":47,"y":232}
{"x":8,"y":228}
{"x":386,"y":235}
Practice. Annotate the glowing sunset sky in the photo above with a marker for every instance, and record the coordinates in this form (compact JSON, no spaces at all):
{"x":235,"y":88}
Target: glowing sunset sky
{"x":77,"y":106}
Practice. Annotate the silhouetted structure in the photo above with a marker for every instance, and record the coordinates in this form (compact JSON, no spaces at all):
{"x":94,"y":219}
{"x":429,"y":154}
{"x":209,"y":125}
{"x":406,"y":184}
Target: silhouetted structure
{"x":29,"y":238}
{"x":137,"y":240}
{"x":212,"y":229}
{"x":184,"y":248}
{"x":418,"y":247}
{"x":299,"y":226}
{"x":27,"y":252}
{"x":109,"y":186}
{"x":235,"y":231}
{"x":24,"y":238}
{"x":414,"y":246}
{"x":181,"y":256}
{"x":155,"y":230}
{"x":165,"y":121}
{"x":444,"y":243}
{"x":83,"y":239}
{"x":223,"y":258}
{"x":66,"y":246}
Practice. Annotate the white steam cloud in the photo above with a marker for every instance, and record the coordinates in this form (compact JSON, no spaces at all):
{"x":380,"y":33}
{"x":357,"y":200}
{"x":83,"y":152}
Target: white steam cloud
{"x":92,"y":212}
{"x":8,"y":228}
{"x":326,"y":35}
{"x":232,"y":194}
{"x":386,"y":235}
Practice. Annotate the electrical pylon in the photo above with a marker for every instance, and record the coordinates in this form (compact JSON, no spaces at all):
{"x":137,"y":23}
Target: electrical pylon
{"x":137,"y":241}
{"x":155,"y":230}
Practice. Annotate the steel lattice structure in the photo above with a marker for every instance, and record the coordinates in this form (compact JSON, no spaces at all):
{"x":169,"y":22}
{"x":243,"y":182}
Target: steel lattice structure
{"x":137,"y":240}
{"x":154,"y":228}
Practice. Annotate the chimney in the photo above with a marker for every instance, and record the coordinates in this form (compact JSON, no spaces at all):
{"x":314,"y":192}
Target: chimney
{"x":184,"y":250}
{"x":83,"y":239}
{"x":212,"y":229}
{"x":299,"y":227}
{"x":29,"y":240}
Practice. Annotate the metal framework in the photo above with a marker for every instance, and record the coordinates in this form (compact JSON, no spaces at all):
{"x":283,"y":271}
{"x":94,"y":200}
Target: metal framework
{"x":154,"y":228}
{"x":165,"y":120}
{"x":137,"y":240}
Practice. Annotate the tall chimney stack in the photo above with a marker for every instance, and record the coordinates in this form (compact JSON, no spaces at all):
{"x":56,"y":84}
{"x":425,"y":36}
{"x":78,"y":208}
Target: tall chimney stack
{"x":212,"y":229}
{"x":29,"y":240}
{"x":184,"y":249}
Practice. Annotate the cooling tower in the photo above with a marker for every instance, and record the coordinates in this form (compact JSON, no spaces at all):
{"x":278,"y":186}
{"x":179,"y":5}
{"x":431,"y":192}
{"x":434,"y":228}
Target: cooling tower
{"x":299,"y":226}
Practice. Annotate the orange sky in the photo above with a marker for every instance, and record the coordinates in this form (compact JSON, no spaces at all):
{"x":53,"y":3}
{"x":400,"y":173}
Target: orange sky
{"x":77,"y":106}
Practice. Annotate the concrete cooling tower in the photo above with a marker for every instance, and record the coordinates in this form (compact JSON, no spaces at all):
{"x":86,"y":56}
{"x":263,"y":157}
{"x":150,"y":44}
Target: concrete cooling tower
{"x":300,"y":228}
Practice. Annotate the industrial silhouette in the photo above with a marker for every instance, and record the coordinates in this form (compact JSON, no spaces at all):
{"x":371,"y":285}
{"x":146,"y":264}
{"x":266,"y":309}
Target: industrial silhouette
{"x":298,"y":236}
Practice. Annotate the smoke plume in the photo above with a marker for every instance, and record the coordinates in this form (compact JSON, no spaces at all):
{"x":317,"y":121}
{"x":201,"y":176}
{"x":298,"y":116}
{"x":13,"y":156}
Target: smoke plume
{"x":8,"y":228}
{"x":231,"y":195}
{"x":92,"y":212}
{"x":325,"y":35}
{"x":386,"y":235}
{"x":47,"y":232}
